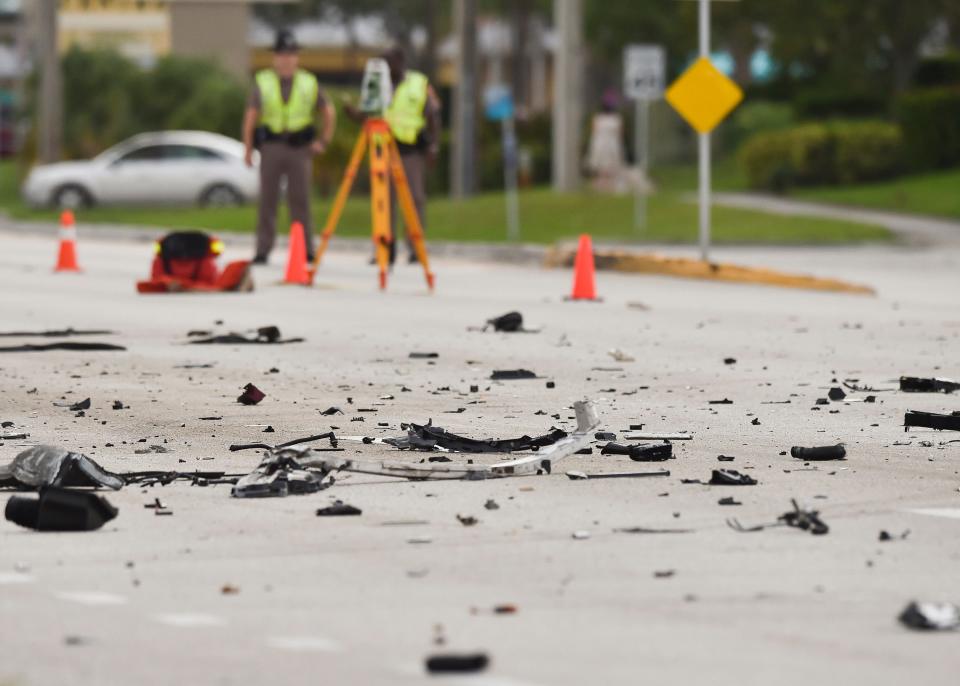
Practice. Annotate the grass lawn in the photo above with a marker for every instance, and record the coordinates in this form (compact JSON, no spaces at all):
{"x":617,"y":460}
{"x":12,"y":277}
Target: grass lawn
{"x":545,"y":216}
{"x":937,"y":193}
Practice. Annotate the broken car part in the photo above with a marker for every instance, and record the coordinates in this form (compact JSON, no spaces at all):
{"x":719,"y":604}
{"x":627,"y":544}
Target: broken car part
{"x":60,"y":510}
{"x":827,"y":452}
{"x":61,"y":345}
{"x":577,"y":475}
{"x":512,"y":374}
{"x":931,"y":616}
{"x":54,"y":333}
{"x":914,"y":384}
{"x":798,"y":518}
{"x":296,"y":441}
{"x":446,"y":664}
{"x":48,"y":465}
{"x":511,"y":322}
{"x":659,"y":437}
{"x":932,"y":420}
{"x":265,"y":335}
{"x":731,"y":477}
{"x":540,"y":462}
{"x":428,"y":437}
{"x":339,"y":509}
{"x":649,"y":452}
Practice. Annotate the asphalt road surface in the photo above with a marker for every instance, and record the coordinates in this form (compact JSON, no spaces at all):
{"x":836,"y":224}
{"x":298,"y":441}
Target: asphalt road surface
{"x":231,"y":591}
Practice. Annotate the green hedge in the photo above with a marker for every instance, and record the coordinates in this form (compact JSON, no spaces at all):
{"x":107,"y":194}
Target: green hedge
{"x":828,"y":153}
{"x":930,"y":120}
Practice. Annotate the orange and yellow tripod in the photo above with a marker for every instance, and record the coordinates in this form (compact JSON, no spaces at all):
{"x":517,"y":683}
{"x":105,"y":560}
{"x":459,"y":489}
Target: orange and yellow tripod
{"x":384,"y":165}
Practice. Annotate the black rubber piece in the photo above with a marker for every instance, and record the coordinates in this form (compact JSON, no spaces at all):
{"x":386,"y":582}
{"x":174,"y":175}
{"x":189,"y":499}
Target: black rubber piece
{"x":827,"y":452}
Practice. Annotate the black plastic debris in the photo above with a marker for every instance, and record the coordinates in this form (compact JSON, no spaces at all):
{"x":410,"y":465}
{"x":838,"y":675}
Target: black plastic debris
{"x":644,"y":452}
{"x":729,"y":500}
{"x":75,"y":407}
{"x":827,"y":452}
{"x":924,"y":616}
{"x":836,"y":393}
{"x":605,"y":436}
{"x":118,"y":405}
{"x":725,"y":458}
{"x":731,"y":477}
{"x":729,"y":360}
{"x":339,"y":509}
{"x":47,"y":465}
{"x":914,"y":384}
{"x":932,"y":420}
{"x":457,"y":663}
{"x":251,"y":395}
{"x":424,"y":356}
{"x":887,"y":536}
{"x":54,"y":333}
{"x":60,"y":510}
{"x":265,"y":335}
{"x":74,"y":346}
{"x":512,"y":374}
{"x":798,"y":518}
{"x":428,"y":437}
{"x":332,"y":411}
{"x":511,"y":322}
{"x":467,"y":520}
{"x":648,"y":530}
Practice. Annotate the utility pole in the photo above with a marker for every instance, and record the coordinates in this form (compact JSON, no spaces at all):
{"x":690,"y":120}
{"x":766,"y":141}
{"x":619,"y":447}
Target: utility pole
{"x":50,"y":133}
{"x":567,"y":94}
{"x":463,"y":173}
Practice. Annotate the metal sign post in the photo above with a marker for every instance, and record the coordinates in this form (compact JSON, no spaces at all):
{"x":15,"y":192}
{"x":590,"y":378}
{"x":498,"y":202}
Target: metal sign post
{"x":704,"y":144}
{"x":704,"y":96}
{"x":644,"y":68}
{"x":499,"y":107}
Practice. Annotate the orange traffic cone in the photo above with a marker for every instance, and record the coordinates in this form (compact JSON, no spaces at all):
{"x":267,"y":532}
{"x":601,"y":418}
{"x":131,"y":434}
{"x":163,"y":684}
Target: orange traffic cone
{"x":584,"y":282}
{"x":67,"y":255}
{"x":297,"y":271}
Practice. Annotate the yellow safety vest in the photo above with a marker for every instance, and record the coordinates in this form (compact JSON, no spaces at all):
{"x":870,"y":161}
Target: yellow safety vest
{"x":405,"y":114}
{"x":297,"y":112}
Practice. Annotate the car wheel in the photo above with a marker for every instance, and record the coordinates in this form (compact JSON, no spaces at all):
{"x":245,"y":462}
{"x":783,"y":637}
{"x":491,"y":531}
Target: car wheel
{"x":71,"y":197}
{"x":221,"y":195}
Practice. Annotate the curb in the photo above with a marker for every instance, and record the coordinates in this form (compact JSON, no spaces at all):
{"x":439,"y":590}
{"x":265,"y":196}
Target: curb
{"x":650,"y":263}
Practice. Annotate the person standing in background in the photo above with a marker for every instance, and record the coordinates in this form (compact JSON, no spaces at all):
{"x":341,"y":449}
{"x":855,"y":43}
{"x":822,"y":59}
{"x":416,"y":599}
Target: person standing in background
{"x":280,"y":122}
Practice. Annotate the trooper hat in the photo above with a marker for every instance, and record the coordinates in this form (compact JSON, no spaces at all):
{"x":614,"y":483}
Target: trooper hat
{"x":285,"y":41}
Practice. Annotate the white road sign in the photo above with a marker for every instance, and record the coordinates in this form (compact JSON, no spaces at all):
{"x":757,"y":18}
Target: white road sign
{"x":644,"y":69}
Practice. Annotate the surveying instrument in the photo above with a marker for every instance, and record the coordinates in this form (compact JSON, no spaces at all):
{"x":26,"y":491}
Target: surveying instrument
{"x":385,"y":165}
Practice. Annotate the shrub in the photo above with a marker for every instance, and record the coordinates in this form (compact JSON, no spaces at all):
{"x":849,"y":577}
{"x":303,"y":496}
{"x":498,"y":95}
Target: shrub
{"x":832,"y":152}
{"x":943,"y":70}
{"x":930,"y":120}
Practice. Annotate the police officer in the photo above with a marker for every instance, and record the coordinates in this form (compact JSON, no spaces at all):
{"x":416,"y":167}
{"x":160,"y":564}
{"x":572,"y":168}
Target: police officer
{"x":414,"y":120}
{"x":279,"y":121}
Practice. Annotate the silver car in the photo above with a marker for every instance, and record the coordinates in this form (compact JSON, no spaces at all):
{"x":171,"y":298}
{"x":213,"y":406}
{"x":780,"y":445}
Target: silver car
{"x":168,"y":168}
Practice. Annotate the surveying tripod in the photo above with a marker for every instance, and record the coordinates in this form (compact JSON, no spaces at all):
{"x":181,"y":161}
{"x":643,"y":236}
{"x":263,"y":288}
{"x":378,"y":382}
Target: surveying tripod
{"x":384,"y":165}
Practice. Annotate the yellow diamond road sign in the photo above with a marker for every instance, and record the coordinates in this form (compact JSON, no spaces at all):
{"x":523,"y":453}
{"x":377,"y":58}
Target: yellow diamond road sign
{"x":703,"y":95}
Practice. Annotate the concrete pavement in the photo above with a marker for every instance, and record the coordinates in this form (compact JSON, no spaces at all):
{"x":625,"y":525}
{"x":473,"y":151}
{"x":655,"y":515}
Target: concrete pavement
{"x":354,"y":600}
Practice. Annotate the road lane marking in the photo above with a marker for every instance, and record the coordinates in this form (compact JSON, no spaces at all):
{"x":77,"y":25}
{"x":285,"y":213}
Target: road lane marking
{"x":304,"y":644}
{"x":949,"y":512}
{"x":189,"y":619}
{"x":92,"y":597}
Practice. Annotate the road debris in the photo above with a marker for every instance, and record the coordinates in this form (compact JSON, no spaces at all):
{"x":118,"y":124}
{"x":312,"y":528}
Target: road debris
{"x":648,"y":452}
{"x":265,"y":335}
{"x":47,"y":465}
{"x":60,"y":510}
{"x":70,"y":346}
{"x":339,"y":509}
{"x":251,"y":395}
{"x":731,"y":477}
{"x":575,"y":475}
{"x":456,"y":663}
{"x":926,"y":616}
{"x":511,"y":322}
{"x":932,"y":420}
{"x":887,"y":536}
{"x":823,"y":453}
{"x":55,"y":333}
{"x":429,"y":437}
{"x":914,"y":384}
{"x":798,"y":518}
{"x":512,"y":374}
